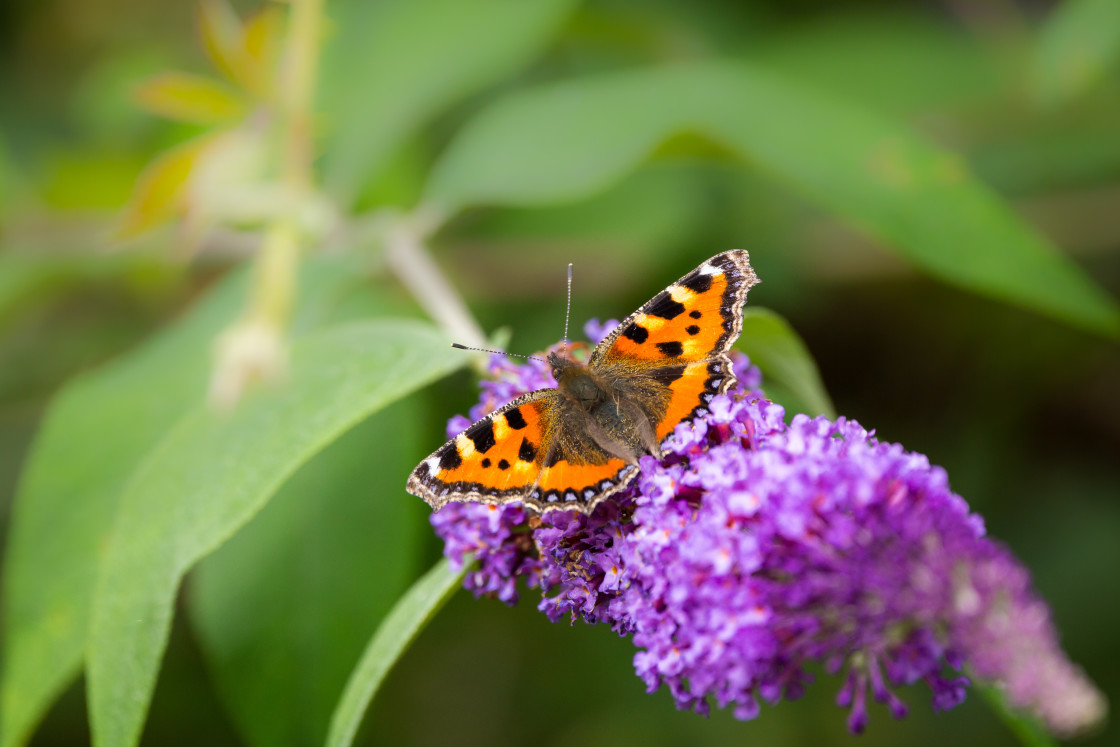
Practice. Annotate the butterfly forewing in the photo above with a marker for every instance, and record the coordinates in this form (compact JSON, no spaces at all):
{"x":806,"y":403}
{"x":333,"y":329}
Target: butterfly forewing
{"x":694,"y":319}
{"x":680,"y":338}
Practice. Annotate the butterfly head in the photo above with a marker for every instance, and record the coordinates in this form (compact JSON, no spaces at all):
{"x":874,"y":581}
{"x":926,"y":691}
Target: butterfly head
{"x":575,"y":379}
{"x":563,"y":367}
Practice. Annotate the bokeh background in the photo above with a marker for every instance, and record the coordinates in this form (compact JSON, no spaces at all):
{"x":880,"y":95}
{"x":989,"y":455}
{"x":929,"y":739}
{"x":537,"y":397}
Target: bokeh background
{"x":1022,"y":410}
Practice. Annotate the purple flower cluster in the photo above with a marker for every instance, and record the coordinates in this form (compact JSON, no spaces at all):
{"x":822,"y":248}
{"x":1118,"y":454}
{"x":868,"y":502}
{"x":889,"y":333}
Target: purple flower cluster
{"x":756,"y":547}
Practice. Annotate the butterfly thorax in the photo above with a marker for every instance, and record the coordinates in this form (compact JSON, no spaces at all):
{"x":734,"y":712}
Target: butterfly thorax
{"x":577,"y":381}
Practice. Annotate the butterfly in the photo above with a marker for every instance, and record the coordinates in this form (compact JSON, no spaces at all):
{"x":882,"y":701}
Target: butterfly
{"x":571,"y":447}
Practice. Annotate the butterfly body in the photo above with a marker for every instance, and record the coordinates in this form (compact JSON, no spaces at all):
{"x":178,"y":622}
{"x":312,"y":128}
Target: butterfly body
{"x":605,"y":404}
{"x":570,"y":447}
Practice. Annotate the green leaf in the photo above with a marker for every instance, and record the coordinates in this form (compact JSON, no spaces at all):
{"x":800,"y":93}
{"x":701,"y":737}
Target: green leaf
{"x":283,"y":609}
{"x":221,"y":34}
{"x":1052,"y":160}
{"x":394,"y":65}
{"x":5,"y":177}
{"x":935,"y":64}
{"x":1027,"y":728}
{"x":213,"y":472}
{"x":33,"y":277}
{"x":1075,"y":48}
{"x":94,"y":434}
{"x":414,"y":610}
{"x":190,"y":98}
{"x":659,"y":207}
{"x":161,"y":190}
{"x":562,"y":142}
{"x":789,"y":373}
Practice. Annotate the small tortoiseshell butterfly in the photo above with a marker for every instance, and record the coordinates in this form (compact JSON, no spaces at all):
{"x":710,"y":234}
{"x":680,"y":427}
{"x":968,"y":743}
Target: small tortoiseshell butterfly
{"x":571,"y":447}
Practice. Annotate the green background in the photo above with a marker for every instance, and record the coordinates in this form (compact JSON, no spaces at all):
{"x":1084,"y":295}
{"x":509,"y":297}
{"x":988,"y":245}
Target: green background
{"x":929,"y":193}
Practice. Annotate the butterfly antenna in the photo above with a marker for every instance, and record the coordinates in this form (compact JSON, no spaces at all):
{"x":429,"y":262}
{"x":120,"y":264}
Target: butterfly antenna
{"x":568,"y":312}
{"x":499,"y":352}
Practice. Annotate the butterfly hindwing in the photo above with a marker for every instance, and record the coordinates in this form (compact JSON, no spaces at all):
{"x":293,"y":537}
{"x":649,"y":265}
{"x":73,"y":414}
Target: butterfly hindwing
{"x":567,"y":485}
{"x":532,"y":450}
{"x":690,"y":392}
{"x":577,"y":471}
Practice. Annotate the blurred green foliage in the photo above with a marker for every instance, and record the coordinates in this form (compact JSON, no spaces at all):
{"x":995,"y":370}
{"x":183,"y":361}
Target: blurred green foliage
{"x":928,"y":191}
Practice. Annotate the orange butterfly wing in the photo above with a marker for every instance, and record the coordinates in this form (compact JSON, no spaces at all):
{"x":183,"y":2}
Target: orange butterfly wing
{"x":567,"y":485}
{"x":680,"y":338}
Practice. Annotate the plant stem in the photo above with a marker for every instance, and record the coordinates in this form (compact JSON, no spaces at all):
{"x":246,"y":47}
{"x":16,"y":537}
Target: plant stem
{"x":407,"y":256}
{"x":303,"y":62}
{"x":274,"y":281}
{"x":278,"y":261}
{"x":253,"y":348}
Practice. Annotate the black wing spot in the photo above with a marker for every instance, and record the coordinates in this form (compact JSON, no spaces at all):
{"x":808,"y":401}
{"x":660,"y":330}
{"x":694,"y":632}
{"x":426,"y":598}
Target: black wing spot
{"x":692,"y":329}
{"x":697,"y":282}
{"x":695,"y":314}
{"x":515,"y":419}
{"x":667,"y":375}
{"x":449,"y":457}
{"x":503,"y":464}
{"x":527,"y":452}
{"x":637,"y":333}
{"x":664,"y":306}
{"x":672,"y":349}
{"x":486,"y":462}
{"x":482,"y":433}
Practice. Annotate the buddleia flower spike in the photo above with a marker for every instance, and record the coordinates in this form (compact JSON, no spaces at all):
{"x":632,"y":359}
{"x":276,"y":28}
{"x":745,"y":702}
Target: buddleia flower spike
{"x":756,"y":548}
